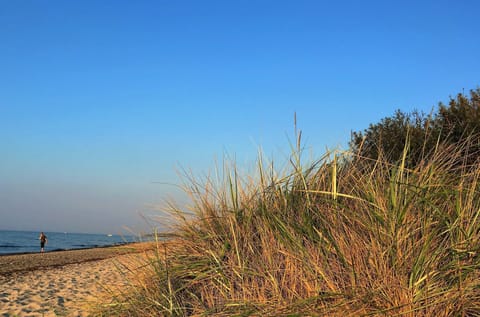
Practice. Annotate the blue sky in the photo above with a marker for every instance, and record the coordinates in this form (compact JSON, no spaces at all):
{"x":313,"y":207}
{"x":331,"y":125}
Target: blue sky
{"x":100,"y":101}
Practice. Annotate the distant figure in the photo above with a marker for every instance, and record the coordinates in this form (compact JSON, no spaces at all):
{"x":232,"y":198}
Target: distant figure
{"x":43,"y":241}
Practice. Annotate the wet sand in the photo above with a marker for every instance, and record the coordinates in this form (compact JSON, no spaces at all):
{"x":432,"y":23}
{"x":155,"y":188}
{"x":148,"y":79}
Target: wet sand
{"x":65,"y":283}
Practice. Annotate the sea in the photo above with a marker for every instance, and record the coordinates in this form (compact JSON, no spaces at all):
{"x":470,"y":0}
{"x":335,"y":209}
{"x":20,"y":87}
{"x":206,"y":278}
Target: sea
{"x":18,"y":242}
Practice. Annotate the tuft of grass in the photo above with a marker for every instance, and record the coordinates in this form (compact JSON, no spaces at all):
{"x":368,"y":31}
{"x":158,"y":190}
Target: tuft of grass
{"x":341,"y":236}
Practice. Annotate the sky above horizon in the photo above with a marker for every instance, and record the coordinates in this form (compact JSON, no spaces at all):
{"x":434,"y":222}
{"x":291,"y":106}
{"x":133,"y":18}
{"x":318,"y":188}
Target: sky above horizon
{"x":102,"y":103}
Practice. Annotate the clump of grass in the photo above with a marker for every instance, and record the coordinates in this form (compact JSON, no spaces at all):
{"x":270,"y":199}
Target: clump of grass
{"x":342,"y":236}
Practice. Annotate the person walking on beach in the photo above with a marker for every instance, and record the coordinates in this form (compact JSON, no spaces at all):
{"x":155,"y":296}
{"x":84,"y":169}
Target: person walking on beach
{"x":43,"y":241}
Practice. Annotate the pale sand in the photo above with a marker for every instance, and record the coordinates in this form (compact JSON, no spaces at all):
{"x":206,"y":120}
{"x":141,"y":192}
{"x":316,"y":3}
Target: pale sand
{"x":65,"y":283}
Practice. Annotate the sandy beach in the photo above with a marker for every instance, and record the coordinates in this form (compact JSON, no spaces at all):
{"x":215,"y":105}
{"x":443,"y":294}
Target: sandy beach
{"x":64,"y":283}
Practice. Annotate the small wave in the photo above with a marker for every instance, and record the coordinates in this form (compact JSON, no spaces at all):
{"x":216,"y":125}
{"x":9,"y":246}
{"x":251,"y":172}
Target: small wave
{"x":58,"y":249}
{"x":85,"y":245}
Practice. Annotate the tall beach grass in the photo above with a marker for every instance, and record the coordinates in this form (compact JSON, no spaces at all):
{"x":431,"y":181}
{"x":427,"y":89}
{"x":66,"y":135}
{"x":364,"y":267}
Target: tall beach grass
{"x":340,"y":236}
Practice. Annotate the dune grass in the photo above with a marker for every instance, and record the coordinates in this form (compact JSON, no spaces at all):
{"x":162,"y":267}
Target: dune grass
{"x":341,"y":236}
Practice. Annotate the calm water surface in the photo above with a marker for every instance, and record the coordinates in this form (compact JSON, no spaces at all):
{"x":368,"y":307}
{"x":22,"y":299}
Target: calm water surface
{"x":13,"y":242}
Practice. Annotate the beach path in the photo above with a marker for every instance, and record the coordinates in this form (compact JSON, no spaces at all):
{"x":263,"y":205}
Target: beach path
{"x":64,"y":283}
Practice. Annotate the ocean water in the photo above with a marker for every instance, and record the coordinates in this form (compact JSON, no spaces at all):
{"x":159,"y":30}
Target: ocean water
{"x":14,"y":242}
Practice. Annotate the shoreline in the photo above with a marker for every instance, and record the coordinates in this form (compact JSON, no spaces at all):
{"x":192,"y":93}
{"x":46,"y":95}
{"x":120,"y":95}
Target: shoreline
{"x":72,"y":249}
{"x":21,"y":262}
{"x":66,"y":283}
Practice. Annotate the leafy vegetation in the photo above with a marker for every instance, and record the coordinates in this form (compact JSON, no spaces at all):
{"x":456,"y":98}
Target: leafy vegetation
{"x":458,"y":121}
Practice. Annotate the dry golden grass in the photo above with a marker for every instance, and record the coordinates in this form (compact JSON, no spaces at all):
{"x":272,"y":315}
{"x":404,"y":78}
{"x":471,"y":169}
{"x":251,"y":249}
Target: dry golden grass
{"x":342,"y":236}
